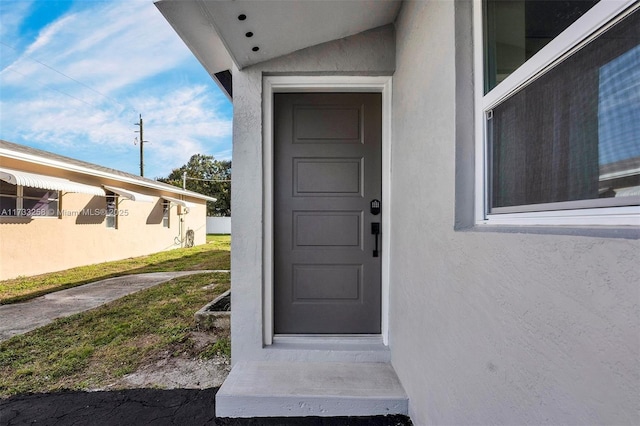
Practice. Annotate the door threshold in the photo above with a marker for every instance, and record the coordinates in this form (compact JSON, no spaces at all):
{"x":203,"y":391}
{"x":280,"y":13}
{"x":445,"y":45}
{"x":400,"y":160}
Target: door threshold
{"x":328,"y":339}
{"x":328,"y":348}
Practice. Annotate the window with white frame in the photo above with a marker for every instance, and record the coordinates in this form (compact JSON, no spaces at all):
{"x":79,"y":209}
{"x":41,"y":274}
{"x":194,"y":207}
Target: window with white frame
{"x":560,"y":112}
{"x":166,"y":212}
{"x":24,"y":201}
{"x":111,"y":212}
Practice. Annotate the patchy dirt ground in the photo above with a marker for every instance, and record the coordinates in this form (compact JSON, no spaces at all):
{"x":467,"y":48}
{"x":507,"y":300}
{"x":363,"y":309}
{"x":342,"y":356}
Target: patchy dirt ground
{"x":177,"y":373}
{"x":181,"y":370}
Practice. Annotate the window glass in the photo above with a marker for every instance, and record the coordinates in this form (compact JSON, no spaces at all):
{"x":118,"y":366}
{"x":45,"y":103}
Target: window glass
{"x":515,"y":30}
{"x":7,"y":206}
{"x":111,"y":211}
{"x":619,"y":125}
{"x":33,"y":192}
{"x":27,"y":201}
{"x":165,"y":213}
{"x":8,"y":199}
{"x":8,"y":189}
{"x":39,"y":202}
{"x":573,"y":133}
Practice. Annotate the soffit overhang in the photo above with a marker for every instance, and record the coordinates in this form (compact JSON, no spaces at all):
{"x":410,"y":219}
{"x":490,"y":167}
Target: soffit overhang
{"x":213,"y":32}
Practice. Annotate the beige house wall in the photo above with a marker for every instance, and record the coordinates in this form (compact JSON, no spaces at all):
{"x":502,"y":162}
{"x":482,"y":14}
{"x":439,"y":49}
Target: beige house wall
{"x":79,"y":236}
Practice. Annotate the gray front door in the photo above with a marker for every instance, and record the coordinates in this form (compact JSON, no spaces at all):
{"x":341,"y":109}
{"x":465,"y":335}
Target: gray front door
{"x":327,"y":162}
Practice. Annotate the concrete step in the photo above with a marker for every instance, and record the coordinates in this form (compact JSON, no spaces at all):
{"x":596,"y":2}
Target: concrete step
{"x":344,"y":349}
{"x":325,"y":389}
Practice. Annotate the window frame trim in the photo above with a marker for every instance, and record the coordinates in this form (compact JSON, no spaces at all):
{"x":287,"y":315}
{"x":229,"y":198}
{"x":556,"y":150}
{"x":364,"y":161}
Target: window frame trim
{"x":598,"y":19}
{"x":19,"y":197}
{"x":116,"y":201}
{"x":166,"y":208}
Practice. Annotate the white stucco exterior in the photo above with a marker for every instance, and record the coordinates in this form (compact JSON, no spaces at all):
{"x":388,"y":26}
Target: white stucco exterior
{"x":491,"y":327}
{"x":487,"y":325}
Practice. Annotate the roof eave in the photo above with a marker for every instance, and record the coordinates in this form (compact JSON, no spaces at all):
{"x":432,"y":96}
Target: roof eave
{"x":36,"y":159}
{"x":190,"y":21}
{"x":218,"y":32}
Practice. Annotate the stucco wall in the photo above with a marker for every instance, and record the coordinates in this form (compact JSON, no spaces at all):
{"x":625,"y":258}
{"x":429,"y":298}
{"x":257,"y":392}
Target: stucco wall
{"x":485,"y":327}
{"x":40,"y":245}
{"x":491,"y":327}
{"x":369,"y":53}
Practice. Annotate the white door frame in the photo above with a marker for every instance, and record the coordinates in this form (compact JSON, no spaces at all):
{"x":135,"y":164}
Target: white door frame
{"x":291,"y":84}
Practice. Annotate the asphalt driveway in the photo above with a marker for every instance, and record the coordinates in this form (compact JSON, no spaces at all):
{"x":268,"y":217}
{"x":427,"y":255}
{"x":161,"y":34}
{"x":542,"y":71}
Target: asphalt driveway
{"x":188,"y":407}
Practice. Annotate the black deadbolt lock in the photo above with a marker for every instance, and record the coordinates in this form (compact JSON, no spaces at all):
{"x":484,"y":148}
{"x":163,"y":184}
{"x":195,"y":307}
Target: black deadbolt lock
{"x":375,"y":207}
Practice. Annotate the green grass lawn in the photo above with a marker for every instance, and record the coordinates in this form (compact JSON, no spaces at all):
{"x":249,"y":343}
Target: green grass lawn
{"x":213,"y":255}
{"x":92,"y":349}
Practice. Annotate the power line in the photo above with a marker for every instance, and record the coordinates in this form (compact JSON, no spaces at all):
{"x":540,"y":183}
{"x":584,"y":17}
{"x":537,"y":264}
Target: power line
{"x":209,"y":180}
{"x":52,"y":88}
{"x":66,"y":76}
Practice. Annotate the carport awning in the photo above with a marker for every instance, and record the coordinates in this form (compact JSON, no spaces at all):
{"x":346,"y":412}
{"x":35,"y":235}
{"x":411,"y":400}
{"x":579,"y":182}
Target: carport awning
{"x":34,"y":180}
{"x":130,"y":195}
{"x":178,"y":202}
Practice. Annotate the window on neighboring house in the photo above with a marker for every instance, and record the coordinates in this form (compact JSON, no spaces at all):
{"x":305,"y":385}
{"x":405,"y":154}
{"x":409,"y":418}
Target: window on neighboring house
{"x":166,"y":212}
{"x":24,"y":201}
{"x":560,"y":112}
{"x":111,"y":214}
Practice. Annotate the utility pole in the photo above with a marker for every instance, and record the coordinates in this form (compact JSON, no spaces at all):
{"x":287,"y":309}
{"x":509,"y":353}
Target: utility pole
{"x":142,"y":141}
{"x":184,"y":180}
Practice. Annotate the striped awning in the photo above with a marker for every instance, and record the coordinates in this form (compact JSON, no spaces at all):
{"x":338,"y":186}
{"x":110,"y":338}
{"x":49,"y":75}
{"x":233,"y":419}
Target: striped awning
{"x":178,"y":202}
{"x":34,"y":180}
{"x":130,"y":195}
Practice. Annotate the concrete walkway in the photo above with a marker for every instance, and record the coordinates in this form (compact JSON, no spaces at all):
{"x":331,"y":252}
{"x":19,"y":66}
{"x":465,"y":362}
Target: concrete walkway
{"x":19,"y":318}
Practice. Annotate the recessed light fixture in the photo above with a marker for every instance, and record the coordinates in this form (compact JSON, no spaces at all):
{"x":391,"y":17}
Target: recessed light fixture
{"x":249,"y":34}
{"x":255,"y":48}
{"x":242,"y":17}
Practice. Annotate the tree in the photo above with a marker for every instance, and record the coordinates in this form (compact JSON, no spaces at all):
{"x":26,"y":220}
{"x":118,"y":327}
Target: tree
{"x":207,"y":176}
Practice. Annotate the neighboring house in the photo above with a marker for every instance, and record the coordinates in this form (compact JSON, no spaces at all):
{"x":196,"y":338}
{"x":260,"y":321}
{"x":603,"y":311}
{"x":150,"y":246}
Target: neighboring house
{"x":57,"y":213}
{"x":505,"y":287}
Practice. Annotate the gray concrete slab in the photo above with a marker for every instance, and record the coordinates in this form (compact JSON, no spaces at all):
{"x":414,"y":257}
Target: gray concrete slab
{"x":274,"y":389}
{"x":19,"y":318}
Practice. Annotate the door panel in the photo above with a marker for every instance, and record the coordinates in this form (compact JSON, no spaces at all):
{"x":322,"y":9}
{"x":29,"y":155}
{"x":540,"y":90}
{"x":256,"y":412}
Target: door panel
{"x":326,"y":283}
{"x":315,"y":229}
{"x":310,"y":124}
{"x":333,"y":177}
{"x":327,"y":156}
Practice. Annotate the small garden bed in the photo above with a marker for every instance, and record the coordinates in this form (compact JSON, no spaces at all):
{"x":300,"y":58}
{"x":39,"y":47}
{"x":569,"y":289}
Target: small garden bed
{"x":215,"y":314}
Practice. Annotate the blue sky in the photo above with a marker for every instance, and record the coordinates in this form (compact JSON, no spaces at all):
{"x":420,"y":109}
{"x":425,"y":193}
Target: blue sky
{"x":75,"y":75}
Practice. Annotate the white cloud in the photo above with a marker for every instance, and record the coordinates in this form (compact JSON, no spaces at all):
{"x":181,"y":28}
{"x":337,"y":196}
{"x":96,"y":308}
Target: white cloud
{"x":179,"y":124}
{"x":106,"y":47}
{"x":12,"y":15}
{"x":48,"y":34}
{"x":111,"y":53}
